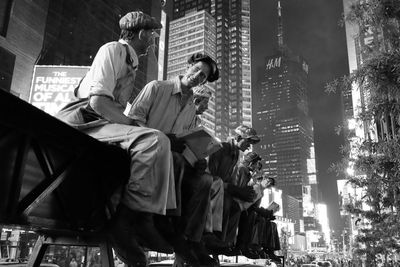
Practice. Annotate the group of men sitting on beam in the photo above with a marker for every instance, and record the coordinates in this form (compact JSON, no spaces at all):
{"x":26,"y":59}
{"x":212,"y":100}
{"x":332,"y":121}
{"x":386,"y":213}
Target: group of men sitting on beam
{"x":169,"y":205}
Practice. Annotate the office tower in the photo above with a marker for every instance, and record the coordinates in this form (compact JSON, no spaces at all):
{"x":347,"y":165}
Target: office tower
{"x":193,"y":33}
{"x":233,"y":89}
{"x":281,"y":116}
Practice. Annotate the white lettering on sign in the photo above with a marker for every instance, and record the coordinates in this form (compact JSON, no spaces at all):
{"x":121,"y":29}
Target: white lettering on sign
{"x":273,"y":63}
{"x":53,"y":86}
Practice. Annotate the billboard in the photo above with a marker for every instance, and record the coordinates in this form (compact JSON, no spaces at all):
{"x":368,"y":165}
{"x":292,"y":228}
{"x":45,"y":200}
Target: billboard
{"x":53,"y":86}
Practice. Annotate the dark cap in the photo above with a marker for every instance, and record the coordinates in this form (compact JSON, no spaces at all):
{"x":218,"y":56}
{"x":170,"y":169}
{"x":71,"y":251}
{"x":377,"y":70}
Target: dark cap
{"x":138,"y":20}
{"x":248,"y":133}
{"x":214,"y":72}
{"x":252,"y":157}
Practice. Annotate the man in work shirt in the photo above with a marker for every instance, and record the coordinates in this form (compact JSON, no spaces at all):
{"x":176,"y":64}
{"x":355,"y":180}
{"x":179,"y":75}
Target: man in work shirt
{"x":168,"y":106}
{"x":104,"y":93}
{"x":222,"y":166}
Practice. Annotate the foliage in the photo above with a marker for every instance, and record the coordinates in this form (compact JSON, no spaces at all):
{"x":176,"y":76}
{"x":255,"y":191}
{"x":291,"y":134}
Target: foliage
{"x":375,"y":161}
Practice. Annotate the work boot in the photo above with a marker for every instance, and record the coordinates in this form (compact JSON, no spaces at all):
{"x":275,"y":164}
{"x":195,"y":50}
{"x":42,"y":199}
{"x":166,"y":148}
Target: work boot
{"x":202,"y":254}
{"x":232,"y":251}
{"x":251,"y":254}
{"x":214,"y":245}
{"x":120,"y":233}
{"x":148,"y":235}
{"x":272,"y":256}
{"x":183,"y":249}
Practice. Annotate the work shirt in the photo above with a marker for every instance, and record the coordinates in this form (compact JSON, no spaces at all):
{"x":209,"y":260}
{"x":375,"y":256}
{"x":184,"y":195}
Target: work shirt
{"x":222,"y":163}
{"x":158,"y":106}
{"x":110,"y":75}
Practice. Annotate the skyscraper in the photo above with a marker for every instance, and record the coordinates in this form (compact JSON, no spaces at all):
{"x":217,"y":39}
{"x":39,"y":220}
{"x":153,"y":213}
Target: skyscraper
{"x":193,"y":33}
{"x":233,"y":89}
{"x":282,"y":119}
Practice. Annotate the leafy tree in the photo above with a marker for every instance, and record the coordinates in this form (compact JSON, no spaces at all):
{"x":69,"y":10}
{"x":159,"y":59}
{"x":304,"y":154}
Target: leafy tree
{"x":376,"y":161}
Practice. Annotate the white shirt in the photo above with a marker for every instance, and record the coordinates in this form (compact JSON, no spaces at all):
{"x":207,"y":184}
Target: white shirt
{"x":109,"y":65}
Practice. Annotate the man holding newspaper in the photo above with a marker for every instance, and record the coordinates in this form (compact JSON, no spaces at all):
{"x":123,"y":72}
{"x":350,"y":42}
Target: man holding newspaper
{"x":169,"y":106}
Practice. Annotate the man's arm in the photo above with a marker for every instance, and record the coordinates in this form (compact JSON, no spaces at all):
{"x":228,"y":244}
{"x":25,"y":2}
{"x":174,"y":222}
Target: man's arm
{"x":140,"y":108}
{"x":109,"y":109}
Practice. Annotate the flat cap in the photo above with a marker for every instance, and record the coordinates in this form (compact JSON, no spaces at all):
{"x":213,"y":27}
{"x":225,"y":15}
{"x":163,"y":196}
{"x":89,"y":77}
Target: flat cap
{"x":138,"y":20}
{"x":247,"y":133}
{"x":214,"y":72}
{"x":252,"y":157}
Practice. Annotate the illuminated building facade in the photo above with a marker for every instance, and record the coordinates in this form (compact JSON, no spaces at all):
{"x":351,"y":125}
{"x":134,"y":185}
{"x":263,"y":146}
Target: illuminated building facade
{"x":193,"y":33}
{"x":282,"y":119}
{"x":285,"y":127}
{"x":233,"y":55}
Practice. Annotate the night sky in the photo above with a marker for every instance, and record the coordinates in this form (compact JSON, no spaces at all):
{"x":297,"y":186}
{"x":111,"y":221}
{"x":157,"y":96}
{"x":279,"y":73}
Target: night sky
{"x":311,"y":30}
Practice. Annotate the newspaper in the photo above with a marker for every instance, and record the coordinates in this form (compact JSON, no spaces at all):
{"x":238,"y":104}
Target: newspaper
{"x":199,"y":144}
{"x":273,"y":206}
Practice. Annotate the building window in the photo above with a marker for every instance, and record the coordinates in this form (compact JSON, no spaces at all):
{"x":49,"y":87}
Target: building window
{"x":5,"y":11}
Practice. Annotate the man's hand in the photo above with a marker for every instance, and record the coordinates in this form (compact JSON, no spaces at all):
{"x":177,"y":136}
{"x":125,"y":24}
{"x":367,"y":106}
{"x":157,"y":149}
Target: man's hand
{"x":177,"y":145}
{"x":200,"y":166}
{"x":246,"y":193}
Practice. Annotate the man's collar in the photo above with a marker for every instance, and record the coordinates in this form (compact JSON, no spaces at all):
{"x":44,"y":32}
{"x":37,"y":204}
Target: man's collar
{"x":132,"y":50}
{"x":177,"y":85}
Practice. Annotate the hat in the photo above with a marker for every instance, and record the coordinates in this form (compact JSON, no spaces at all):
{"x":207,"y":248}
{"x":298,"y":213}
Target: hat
{"x":247,"y":133}
{"x":202,"y":91}
{"x":214,"y":72}
{"x":138,"y":20}
{"x":252,"y":157}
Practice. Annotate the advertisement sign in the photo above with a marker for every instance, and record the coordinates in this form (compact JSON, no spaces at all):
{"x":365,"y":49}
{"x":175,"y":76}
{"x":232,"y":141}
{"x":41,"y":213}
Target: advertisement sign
{"x":3,"y":236}
{"x":53,"y":86}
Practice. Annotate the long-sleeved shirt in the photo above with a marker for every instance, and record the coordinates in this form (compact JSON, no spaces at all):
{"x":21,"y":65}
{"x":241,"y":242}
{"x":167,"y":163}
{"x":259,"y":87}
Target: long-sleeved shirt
{"x":222,"y":163}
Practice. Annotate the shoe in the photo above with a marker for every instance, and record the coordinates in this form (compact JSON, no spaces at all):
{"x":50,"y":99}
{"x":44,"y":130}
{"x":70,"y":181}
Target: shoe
{"x":233,"y":251}
{"x":263,"y":255}
{"x":120,"y":234}
{"x":249,"y":253}
{"x":202,"y":254}
{"x":214,"y":245}
{"x":183,"y":249}
{"x":272,"y":256}
{"x":148,"y":235}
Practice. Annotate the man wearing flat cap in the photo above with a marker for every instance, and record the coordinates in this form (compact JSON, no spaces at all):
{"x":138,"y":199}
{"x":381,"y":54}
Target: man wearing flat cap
{"x":169,"y":106}
{"x":223,"y":165}
{"x":107,"y":88}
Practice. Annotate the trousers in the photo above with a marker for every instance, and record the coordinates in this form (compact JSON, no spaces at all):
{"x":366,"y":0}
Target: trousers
{"x":151,"y":186}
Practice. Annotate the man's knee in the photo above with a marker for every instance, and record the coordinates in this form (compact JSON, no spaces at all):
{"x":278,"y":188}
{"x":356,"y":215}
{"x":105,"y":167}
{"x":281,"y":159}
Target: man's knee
{"x":161,"y":139}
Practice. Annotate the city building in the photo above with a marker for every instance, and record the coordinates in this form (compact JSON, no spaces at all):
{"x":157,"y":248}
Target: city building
{"x":233,"y":55}
{"x":193,"y":33}
{"x":281,"y":116}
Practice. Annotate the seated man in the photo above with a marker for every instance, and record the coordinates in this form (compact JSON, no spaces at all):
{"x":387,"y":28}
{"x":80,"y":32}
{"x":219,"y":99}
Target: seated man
{"x":222,"y":165}
{"x":168,"y":106}
{"x":252,"y":228}
{"x":103,"y":94}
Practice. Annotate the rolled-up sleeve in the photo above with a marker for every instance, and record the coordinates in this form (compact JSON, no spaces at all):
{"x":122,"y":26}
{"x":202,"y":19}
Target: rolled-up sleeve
{"x":142,"y":104}
{"x":105,"y":70}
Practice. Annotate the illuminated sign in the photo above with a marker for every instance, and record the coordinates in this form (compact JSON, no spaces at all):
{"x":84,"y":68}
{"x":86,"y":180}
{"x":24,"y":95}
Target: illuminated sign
{"x":273,"y":63}
{"x":53,"y":86}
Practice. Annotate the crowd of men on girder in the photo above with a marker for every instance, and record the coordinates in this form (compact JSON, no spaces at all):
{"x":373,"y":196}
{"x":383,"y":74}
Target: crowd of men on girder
{"x":168,"y":205}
